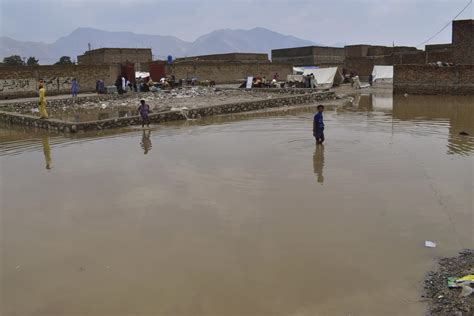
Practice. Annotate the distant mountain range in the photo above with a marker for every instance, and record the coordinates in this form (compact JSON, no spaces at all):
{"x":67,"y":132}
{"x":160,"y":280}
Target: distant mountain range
{"x":257,"y":40}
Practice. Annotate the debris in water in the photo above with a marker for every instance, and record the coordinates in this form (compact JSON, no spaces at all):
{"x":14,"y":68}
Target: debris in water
{"x":430,"y":244}
{"x":463,"y":133}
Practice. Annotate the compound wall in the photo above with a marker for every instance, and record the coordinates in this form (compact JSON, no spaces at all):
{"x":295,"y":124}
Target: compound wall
{"x":227,"y":71}
{"x":428,"y":79}
{"x":22,"y":81}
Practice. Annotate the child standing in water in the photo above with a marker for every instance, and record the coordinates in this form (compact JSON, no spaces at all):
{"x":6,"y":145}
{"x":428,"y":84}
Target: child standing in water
{"x":318,"y":125}
{"x":144,"y":109}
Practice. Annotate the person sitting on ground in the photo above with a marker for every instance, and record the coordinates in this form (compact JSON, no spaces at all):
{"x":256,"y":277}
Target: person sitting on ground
{"x":318,"y":125}
{"x":144,"y":109}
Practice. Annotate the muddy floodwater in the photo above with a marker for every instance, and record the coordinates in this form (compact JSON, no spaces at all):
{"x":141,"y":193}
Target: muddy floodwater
{"x":238,"y":215}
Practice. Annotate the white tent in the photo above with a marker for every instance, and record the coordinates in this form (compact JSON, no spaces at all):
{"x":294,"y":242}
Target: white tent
{"x":382,"y":74}
{"x":324,"y":76}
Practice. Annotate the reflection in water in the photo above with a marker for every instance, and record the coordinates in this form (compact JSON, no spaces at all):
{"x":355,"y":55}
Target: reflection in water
{"x":46,"y":151}
{"x":458,"y":110}
{"x":146,"y":141}
{"x":318,"y":162}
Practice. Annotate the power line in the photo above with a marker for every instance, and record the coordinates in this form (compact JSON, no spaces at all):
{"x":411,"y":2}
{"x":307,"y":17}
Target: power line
{"x":444,"y":27}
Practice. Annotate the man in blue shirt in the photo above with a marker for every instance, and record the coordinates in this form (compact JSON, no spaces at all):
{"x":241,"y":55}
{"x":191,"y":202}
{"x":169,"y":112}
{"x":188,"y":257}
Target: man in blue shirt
{"x":318,"y":125}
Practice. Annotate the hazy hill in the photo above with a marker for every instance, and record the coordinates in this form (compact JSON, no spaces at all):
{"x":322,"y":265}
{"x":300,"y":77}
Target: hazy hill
{"x":259,"y":40}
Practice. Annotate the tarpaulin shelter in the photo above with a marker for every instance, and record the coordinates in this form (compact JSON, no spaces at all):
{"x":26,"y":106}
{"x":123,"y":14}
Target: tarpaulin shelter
{"x":382,"y":74}
{"x":326,"y":78}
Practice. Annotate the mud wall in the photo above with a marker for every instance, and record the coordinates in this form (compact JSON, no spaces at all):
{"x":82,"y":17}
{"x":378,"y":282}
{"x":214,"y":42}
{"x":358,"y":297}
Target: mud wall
{"x":427,"y":79}
{"x":227,"y":71}
{"x":22,"y":81}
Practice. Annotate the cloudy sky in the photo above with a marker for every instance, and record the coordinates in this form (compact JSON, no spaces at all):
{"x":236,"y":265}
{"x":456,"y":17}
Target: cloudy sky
{"x":405,"y":22}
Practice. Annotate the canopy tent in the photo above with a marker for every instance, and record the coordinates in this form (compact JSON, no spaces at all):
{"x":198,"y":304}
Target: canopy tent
{"x":325,"y":77}
{"x":382,"y":74}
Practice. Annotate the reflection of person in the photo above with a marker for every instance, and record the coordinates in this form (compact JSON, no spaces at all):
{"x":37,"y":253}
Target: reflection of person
{"x":146,"y":142}
{"x":144,"y":109}
{"x":318,"y":162}
{"x":42,"y":102}
{"x":318,"y":125}
{"x":46,"y":151}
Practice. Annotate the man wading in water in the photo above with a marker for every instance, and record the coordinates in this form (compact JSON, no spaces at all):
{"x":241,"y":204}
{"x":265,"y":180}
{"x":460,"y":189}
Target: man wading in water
{"x":318,"y":125}
{"x":144,"y":109}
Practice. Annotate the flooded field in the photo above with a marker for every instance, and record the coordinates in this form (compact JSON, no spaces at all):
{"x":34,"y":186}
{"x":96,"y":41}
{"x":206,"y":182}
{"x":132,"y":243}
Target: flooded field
{"x":238,"y":215}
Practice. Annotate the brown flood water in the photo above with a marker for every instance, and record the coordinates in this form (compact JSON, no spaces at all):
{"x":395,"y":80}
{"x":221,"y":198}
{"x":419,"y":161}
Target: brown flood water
{"x":238,"y":215}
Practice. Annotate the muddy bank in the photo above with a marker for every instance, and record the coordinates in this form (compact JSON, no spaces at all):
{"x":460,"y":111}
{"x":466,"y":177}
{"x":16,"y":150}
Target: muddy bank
{"x":442,"y":299}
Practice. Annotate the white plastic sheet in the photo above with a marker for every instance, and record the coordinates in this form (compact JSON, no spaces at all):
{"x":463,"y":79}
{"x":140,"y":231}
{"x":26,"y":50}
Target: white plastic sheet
{"x":324,"y":76}
{"x":142,"y":74}
{"x":382,"y":74}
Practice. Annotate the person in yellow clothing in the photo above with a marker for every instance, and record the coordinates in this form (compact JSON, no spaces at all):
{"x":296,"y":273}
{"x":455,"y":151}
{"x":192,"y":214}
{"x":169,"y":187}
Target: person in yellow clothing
{"x":42,"y":102}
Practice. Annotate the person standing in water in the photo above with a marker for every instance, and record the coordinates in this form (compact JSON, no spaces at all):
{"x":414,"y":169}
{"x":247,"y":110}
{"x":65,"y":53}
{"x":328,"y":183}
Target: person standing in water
{"x":318,"y":125}
{"x":74,"y":88}
{"x":42,"y":102}
{"x":144,"y":109}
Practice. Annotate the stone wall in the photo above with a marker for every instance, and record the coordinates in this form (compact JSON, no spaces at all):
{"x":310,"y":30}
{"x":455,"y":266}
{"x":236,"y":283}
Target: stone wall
{"x":228,"y":71}
{"x":427,"y":79}
{"x":72,"y":127}
{"x":22,"y":81}
{"x":59,"y":103}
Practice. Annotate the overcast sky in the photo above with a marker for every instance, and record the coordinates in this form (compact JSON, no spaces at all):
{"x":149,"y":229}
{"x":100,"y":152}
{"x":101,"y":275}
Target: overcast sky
{"x":405,"y":22}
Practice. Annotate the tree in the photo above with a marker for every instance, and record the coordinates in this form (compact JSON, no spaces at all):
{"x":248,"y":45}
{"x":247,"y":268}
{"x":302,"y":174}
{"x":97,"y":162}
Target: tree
{"x":65,"y":60}
{"x":32,"y":61}
{"x":13,"y":60}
